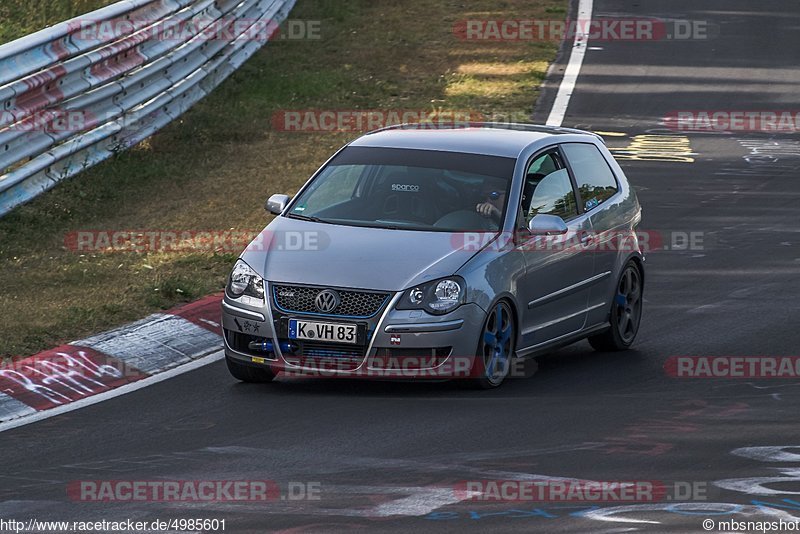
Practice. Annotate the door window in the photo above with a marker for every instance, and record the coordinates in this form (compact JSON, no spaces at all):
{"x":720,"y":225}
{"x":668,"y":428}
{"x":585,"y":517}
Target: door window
{"x":548,"y":189}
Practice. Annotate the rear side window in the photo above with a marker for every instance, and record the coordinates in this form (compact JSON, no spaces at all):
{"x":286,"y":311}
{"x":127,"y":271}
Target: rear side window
{"x":596,"y":182}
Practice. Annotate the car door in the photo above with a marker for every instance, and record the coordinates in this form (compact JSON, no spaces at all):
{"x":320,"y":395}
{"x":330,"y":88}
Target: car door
{"x":554,"y":290}
{"x":597,"y":187}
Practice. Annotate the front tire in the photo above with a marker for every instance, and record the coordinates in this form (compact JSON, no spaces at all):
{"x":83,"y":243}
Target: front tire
{"x":248,"y":373}
{"x":495,"y":349}
{"x":626,"y":312}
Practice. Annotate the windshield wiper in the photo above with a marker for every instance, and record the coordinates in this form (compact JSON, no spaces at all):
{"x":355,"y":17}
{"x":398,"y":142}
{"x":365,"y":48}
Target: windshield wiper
{"x":366,"y":224}
{"x":306,"y":218}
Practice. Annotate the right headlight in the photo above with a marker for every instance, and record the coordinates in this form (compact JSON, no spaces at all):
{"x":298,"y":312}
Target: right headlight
{"x":246,"y":285}
{"x":437,"y":297}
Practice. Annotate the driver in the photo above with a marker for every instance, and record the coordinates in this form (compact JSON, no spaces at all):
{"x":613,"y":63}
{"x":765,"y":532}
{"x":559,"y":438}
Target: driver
{"x":494,"y":196}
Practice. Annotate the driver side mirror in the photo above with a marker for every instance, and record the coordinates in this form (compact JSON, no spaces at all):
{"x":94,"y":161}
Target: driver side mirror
{"x":277,"y":203}
{"x":547,"y":225}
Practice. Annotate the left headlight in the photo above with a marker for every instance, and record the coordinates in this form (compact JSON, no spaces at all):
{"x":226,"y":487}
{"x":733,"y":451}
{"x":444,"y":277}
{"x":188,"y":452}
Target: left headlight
{"x":437,"y":297}
{"x":246,"y":285}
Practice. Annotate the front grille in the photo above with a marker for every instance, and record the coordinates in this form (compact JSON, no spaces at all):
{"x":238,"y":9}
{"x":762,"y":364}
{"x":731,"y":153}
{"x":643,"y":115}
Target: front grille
{"x":326,"y":356}
{"x":356,"y":304}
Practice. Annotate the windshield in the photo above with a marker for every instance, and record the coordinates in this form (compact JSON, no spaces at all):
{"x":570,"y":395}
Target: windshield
{"x":409,"y":190}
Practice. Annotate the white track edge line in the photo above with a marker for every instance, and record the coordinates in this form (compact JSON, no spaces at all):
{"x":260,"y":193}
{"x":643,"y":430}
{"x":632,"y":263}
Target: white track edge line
{"x":570,"y":78}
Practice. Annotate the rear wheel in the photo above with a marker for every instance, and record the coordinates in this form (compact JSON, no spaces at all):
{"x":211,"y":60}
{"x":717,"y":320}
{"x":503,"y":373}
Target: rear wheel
{"x":248,"y":373}
{"x":626,"y":313}
{"x":495,"y":348}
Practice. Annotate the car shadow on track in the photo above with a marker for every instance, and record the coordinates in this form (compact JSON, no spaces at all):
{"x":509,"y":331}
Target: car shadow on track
{"x":575,"y":370}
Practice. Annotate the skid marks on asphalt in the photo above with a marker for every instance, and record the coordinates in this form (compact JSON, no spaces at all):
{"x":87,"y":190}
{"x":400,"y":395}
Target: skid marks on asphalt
{"x":425,"y":488}
{"x":764,"y":156}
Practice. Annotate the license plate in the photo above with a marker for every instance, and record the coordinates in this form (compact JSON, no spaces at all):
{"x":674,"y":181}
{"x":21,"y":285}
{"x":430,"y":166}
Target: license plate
{"x":314,"y":331}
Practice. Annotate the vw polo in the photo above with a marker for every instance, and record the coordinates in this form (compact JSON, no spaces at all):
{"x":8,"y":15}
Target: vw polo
{"x":440,"y":253}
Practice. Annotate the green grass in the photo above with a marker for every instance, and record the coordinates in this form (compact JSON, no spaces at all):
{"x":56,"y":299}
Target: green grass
{"x":213,"y":168}
{"x":21,"y":17}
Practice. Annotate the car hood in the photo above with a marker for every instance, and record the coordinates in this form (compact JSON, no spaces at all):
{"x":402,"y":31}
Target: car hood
{"x":304,"y":252}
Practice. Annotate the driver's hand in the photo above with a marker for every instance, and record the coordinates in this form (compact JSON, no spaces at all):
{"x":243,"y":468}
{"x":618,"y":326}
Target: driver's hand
{"x":488,"y":210}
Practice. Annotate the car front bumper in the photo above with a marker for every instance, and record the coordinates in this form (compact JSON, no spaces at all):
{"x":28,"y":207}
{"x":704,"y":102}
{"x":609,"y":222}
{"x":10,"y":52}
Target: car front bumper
{"x":399,"y":344}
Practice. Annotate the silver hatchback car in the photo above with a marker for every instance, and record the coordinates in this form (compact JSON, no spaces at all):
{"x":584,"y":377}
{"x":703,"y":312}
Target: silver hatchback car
{"x":440,"y":253}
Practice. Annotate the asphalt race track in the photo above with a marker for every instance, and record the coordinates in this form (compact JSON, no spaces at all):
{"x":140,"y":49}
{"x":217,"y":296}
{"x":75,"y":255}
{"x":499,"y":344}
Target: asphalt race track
{"x":387,"y":456}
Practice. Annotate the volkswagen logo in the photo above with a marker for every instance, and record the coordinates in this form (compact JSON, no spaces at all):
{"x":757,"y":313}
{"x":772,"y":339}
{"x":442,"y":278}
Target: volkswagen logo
{"x":327,"y":301}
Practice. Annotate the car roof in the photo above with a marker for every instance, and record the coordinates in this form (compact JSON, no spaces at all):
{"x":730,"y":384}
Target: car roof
{"x":505,"y":140}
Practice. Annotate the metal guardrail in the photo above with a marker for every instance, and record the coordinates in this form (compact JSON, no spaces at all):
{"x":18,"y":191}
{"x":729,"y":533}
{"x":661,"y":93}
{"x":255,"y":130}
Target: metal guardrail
{"x":123,"y":80}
